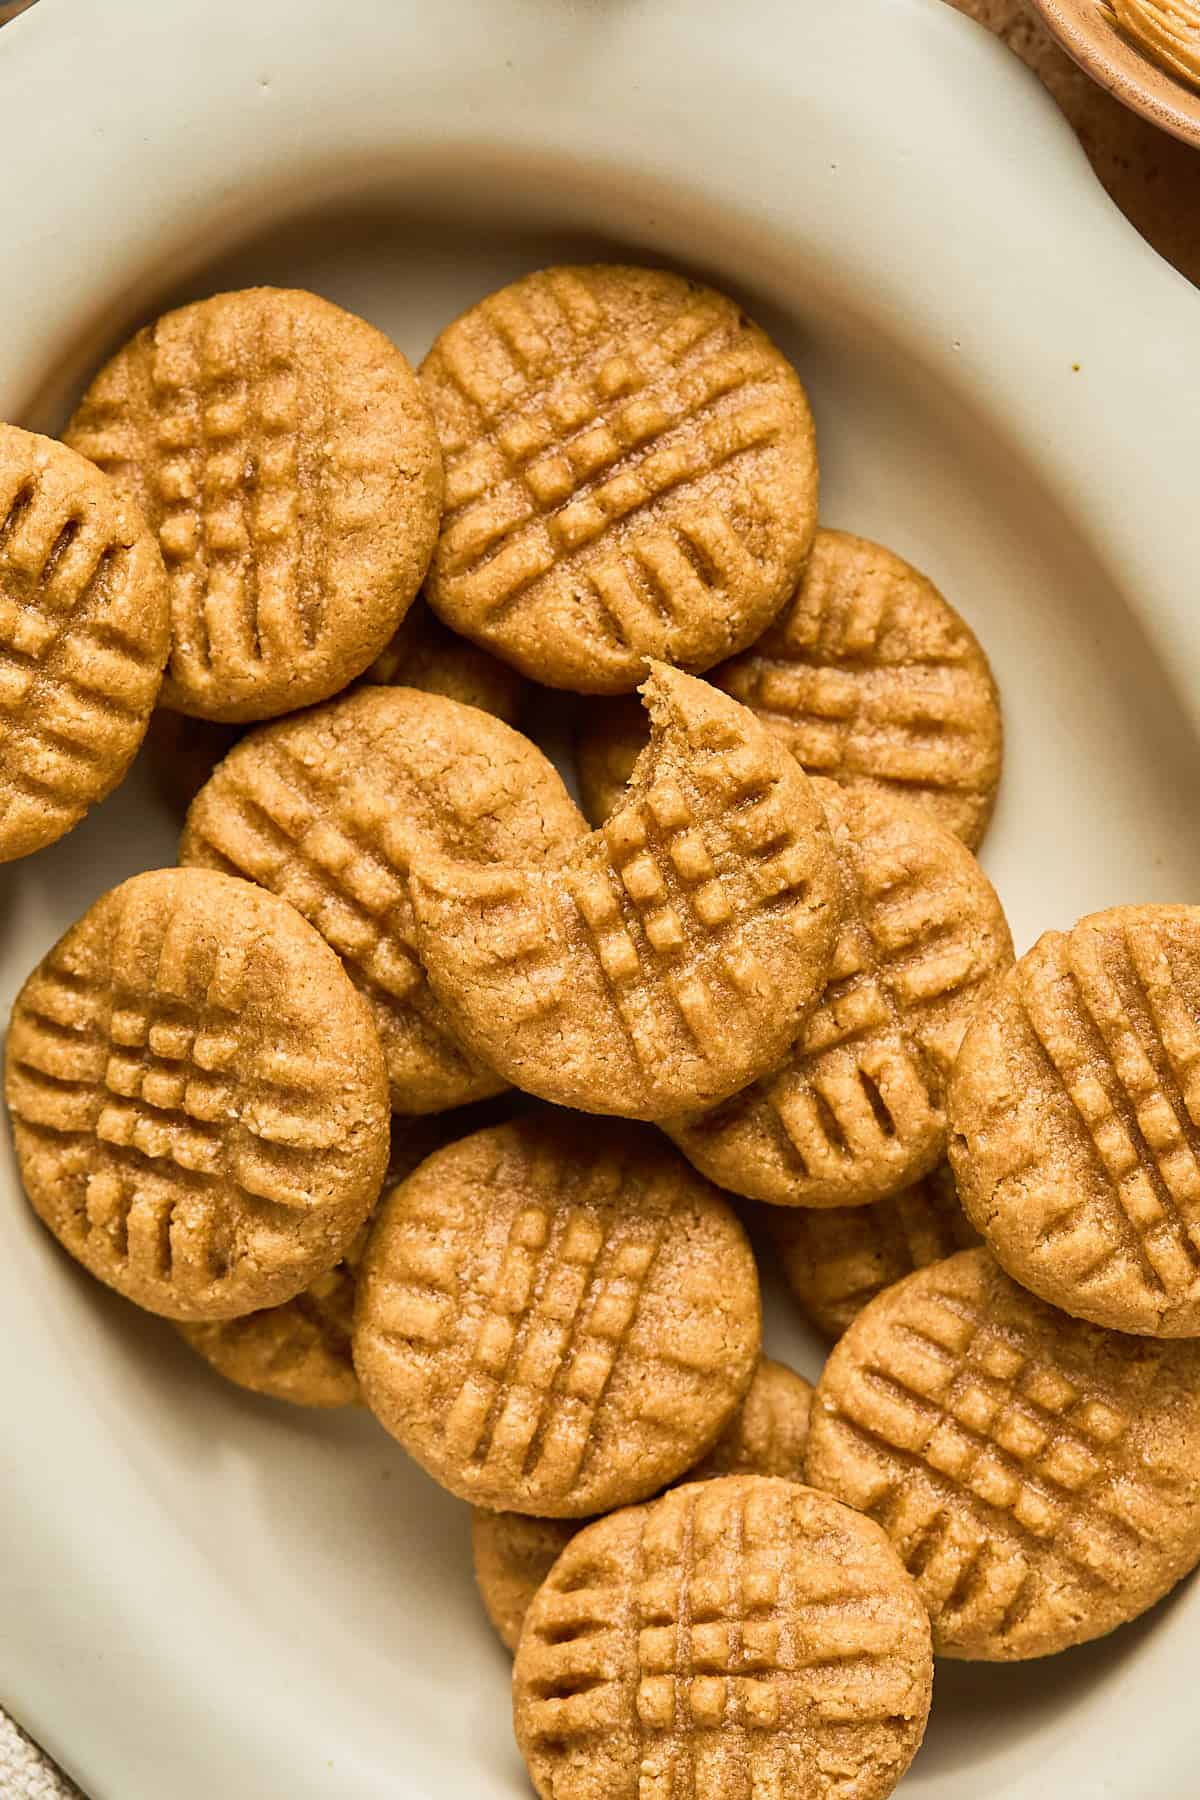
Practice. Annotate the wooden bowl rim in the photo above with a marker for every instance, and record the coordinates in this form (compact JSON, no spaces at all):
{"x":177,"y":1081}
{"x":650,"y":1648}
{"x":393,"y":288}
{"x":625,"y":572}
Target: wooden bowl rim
{"x":1116,"y":64}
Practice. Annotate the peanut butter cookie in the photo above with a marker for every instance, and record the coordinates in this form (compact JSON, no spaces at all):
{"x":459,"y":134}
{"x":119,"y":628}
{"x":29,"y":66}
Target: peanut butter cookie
{"x":300,"y":1351}
{"x":425,"y":654}
{"x":513,"y":1553}
{"x":736,"y":1638}
{"x":858,"y":1108}
{"x":327,"y":808}
{"x":284,"y":453}
{"x":183,"y":752}
{"x":837,"y":1258}
{"x":551,"y":1327}
{"x":198,"y":1097}
{"x":1035,"y":1473}
{"x":767,"y":1433}
{"x":1074,"y":1111}
{"x":868,"y":675}
{"x":630,"y":473}
{"x":873,"y":679}
{"x":83,"y":638}
{"x":673,"y":955}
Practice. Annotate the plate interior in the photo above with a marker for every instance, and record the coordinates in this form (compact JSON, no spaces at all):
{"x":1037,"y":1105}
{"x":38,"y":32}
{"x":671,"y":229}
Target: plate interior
{"x":353,"y":1565}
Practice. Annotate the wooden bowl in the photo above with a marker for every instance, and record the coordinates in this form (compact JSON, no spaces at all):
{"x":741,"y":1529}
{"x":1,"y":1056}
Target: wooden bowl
{"x":1085,"y":30}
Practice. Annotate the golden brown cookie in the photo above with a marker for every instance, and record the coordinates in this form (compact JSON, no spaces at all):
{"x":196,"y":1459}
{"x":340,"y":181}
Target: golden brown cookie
{"x":872,"y":678}
{"x":1036,"y":1474}
{"x":673,"y":954}
{"x":767,"y":1433}
{"x":326,"y":810}
{"x":740,"y":1639}
{"x":425,"y":654}
{"x":83,"y":638}
{"x":513,"y":1553}
{"x":858,"y":1108}
{"x":554,"y":1326}
{"x":182,"y":752}
{"x":868,"y":675}
{"x":300,"y":1351}
{"x":198,"y":1096}
{"x":285,"y":455}
{"x":1074,"y":1109}
{"x":630,"y":473}
{"x":837,"y":1258}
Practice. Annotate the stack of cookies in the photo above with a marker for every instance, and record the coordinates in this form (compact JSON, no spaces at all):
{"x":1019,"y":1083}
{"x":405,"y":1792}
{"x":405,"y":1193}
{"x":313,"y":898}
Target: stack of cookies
{"x":407,"y":1088}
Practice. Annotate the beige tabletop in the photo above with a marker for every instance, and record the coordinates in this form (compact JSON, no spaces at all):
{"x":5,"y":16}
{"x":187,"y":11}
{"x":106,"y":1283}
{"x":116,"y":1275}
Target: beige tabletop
{"x":1156,"y":182}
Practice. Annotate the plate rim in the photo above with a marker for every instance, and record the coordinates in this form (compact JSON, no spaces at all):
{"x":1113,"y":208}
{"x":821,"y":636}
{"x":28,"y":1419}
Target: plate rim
{"x":88,"y":95}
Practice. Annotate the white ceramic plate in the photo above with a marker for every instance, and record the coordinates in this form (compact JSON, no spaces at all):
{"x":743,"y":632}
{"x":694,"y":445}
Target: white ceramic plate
{"x":202,"y":1594}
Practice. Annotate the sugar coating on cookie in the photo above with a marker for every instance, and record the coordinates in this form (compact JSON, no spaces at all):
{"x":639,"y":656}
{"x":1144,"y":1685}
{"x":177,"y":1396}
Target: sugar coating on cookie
{"x":83,"y":638}
{"x":1074,"y":1112}
{"x":672,"y":955}
{"x":873,"y":679}
{"x":326,"y":809}
{"x":513,"y":1553}
{"x":426,"y":654}
{"x":837,"y":1258}
{"x":630,"y":473}
{"x":858,"y":1107}
{"x":198,"y":1096}
{"x":1035,"y":1473}
{"x":553,"y":1325}
{"x":735,"y":1638}
{"x":284,"y":453}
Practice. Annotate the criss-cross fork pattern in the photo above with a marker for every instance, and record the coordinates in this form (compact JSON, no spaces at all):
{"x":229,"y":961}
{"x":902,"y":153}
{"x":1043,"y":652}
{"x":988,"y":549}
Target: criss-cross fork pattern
{"x":838,"y":1258}
{"x":996,"y":1472}
{"x":75,"y":681}
{"x":916,"y":735}
{"x":713,"y":1627}
{"x":214,"y":438}
{"x":152,"y":1076}
{"x":853,"y":696}
{"x":860,"y":1084}
{"x":281,"y":1341}
{"x":558,"y":1318}
{"x":334,"y":839}
{"x":323,"y":843}
{"x":560,"y":459}
{"x":660,"y":908}
{"x":233,"y":522}
{"x":1113,"y":1015}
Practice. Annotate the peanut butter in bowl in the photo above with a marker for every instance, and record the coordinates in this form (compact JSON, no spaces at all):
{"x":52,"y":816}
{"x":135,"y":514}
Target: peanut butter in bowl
{"x":1167,"y":30}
